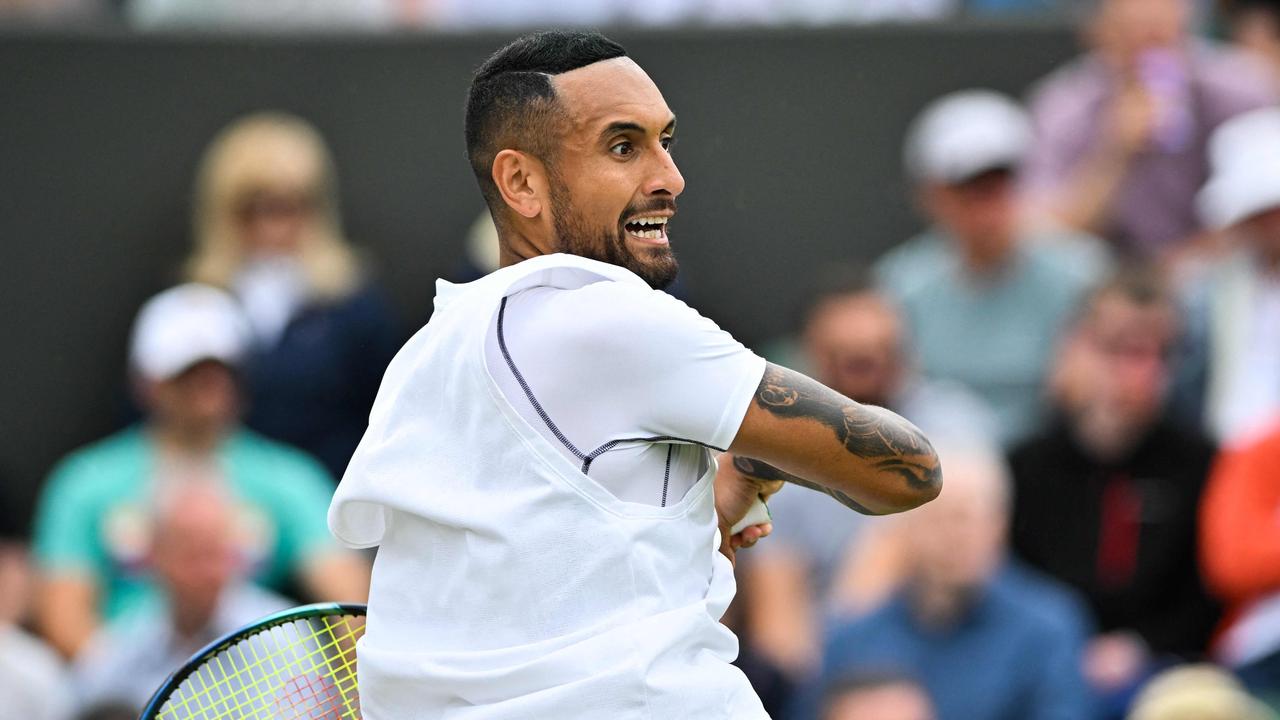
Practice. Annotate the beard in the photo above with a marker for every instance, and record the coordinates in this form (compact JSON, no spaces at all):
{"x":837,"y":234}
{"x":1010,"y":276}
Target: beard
{"x":655,"y":265}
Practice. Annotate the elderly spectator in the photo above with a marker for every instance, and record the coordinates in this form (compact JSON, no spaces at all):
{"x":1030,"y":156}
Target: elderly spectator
{"x":877,"y":696}
{"x":987,"y":638}
{"x":1121,"y":131}
{"x":1240,"y":547}
{"x":853,"y":342}
{"x":983,"y":296}
{"x":193,"y":555}
{"x":33,"y":682}
{"x":1107,"y":497}
{"x":91,"y":533}
{"x":267,"y":229}
{"x":1233,"y":380}
{"x":1196,"y":692}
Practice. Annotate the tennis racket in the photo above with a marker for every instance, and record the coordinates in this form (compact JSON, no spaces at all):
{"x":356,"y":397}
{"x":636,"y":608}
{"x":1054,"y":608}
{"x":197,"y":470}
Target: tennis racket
{"x":299,"y":663}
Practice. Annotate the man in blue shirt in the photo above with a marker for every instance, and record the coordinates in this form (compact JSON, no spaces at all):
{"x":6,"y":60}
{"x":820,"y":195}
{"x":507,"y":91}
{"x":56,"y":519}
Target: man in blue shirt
{"x":988,"y":640}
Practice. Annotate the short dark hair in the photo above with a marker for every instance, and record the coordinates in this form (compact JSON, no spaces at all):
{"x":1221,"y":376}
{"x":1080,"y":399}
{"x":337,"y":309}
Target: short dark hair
{"x":512,"y":101}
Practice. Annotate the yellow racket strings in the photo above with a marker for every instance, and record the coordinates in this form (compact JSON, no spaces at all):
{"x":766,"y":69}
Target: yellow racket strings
{"x":305,"y":669}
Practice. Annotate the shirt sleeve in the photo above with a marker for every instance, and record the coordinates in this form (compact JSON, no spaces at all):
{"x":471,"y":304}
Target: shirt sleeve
{"x":672,"y":372}
{"x":65,"y":524}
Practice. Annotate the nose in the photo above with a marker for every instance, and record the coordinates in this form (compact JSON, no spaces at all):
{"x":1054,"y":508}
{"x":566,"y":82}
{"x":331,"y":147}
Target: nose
{"x":665,"y":178}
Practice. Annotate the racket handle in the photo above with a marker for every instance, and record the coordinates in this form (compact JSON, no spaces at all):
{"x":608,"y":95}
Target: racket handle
{"x":757,"y":515}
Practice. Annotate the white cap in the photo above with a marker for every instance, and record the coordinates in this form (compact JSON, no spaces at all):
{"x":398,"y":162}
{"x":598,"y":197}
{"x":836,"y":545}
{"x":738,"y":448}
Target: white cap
{"x":184,"y":325}
{"x":966,"y":133}
{"x":1244,"y":161}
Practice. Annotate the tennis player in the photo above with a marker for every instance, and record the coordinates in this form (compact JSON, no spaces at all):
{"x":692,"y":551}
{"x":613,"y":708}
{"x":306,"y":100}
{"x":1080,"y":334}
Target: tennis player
{"x":540,"y":472}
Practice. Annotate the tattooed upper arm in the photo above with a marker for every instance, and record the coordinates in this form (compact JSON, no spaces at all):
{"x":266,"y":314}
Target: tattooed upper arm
{"x":884,"y":444}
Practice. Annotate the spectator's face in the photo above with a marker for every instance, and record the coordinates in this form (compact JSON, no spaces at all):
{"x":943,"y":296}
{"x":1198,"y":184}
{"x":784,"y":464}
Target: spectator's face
{"x":202,"y":397}
{"x":273,"y":222}
{"x":1121,"y":361}
{"x":1124,"y":29}
{"x":193,"y":554}
{"x":613,"y":168}
{"x":854,"y":345}
{"x":889,"y":702}
{"x":979,"y":213}
{"x":956,"y":542}
{"x":1262,"y":231}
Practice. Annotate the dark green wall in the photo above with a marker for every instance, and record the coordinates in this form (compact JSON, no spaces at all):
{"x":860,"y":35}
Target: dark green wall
{"x":789,"y":144}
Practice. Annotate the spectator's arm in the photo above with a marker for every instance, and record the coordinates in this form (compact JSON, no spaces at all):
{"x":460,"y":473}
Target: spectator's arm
{"x":780,"y":610}
{"x":336,"y":576}
{"x":325,"y":571}
{"x":66,"y":612}
{"x":65,"y":552}
{"x":1240,"y":524}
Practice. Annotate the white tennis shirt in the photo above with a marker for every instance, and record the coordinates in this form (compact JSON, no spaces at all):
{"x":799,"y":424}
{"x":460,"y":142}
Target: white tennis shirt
{"x":531,"y":569}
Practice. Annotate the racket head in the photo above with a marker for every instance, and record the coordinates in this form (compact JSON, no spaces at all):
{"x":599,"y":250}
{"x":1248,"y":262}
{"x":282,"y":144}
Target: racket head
{"x":294,"y":664}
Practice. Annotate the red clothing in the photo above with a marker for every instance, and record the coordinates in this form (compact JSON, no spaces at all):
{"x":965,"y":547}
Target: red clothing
{"x":1240,"y":522}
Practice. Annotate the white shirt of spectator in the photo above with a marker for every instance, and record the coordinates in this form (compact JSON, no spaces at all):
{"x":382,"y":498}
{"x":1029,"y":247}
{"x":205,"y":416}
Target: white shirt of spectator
{"x":1252,"y":402}
{"x":508,"y":582}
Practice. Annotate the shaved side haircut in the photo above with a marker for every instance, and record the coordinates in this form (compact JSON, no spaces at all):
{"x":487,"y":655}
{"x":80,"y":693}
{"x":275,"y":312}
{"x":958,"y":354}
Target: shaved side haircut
{"x":512,"y":103}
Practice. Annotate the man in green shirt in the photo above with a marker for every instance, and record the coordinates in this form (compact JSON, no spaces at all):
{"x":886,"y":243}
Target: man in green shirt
{"x":92,"y":523}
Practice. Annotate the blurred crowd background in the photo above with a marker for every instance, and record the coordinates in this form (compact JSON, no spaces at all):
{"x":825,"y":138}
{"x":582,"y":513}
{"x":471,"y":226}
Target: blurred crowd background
{"x":1085,"y":319}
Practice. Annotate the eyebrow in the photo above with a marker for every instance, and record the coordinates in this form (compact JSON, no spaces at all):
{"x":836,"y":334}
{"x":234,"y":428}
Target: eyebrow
{"x":614,"y":128}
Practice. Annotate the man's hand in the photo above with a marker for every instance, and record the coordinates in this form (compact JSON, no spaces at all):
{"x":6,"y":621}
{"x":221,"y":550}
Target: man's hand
{"x":735,"y":493}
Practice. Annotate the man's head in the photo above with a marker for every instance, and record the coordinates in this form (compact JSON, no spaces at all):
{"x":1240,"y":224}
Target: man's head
{"x":570,"y":141}
{"x":877,"y":696}
{"x":1122,"y":31}
{"x":193,"y":552}
{"x":963,"y":152}
{"x":1113,"y":368}
{"x":186,"y":344}
{"x":955,"y":544}
{"x":853,"y":340}
{"x":1242,"y":195}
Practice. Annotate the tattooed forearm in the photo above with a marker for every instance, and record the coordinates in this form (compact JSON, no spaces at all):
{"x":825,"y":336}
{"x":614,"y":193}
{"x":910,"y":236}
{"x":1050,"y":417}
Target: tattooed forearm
{"x":890,"y":443}
{"x":764,"y":471}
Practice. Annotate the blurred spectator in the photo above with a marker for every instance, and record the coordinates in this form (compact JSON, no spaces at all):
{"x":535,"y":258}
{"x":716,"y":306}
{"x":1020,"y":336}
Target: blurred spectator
{"x":1196,"y":692}
{"x":987,"y":638}
{"x":192,"y":551}
{"x":881,"y":696}
{"x":1241,"y":554}
{"x":267,"y":229}
{"x":1254,"y":26}
{"x":983,"y":297}
{"x":1121,"y":131}
{"x":33,"y":683}
{"x":1107,"y":497}
{"x":272,"y":16}
{"x":853,"y":342}
{"x":91,"y":530}
{"x":1234,"y":304}
{"x":62,"y":11}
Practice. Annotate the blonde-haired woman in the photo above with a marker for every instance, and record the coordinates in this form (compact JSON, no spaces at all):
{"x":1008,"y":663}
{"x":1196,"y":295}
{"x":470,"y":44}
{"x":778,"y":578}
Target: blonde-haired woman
{"x":267,"y":228}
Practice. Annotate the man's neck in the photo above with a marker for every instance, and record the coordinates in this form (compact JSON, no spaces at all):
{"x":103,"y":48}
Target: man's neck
{"x":193,"y":440}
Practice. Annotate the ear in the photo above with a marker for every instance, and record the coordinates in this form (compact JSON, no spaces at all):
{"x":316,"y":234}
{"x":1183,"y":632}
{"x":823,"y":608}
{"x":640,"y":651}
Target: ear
{"x":521,"y":179}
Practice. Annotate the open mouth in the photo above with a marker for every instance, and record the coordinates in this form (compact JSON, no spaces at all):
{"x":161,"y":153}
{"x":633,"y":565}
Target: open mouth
{"x":649,"y":229}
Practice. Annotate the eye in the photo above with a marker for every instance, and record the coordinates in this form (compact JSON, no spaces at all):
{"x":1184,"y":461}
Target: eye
{"x":668,"y":143}
{"x":622,"y":148}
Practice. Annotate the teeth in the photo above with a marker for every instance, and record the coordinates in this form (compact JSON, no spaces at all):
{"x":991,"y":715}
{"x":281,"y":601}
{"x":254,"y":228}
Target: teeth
{"x":649,"y":234}
{"x":650,"y":221}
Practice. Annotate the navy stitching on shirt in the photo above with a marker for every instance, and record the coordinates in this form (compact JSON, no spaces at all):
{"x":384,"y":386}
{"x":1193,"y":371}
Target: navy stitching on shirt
{"x":537,"y":406}
{"x":586,"y":458}
{"x":666,"y":476}
{"x":586,"y":462}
